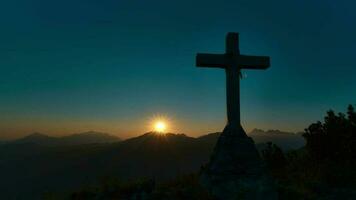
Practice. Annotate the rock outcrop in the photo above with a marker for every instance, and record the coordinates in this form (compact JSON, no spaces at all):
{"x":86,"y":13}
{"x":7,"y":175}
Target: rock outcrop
{"x":235,"y":170}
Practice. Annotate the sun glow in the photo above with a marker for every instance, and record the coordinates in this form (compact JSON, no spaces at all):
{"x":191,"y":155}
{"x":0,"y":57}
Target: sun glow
{"x":160,"y":126}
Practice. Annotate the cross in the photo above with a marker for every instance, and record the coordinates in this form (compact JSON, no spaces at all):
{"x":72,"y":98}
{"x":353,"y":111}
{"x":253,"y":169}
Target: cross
{"x":232,"y":61}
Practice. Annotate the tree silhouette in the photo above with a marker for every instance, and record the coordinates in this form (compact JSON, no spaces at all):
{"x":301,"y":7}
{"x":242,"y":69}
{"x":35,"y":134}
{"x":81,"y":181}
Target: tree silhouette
{"x":273,"y":155}
{"x":334,"y":139}
{"x":274,"y":159}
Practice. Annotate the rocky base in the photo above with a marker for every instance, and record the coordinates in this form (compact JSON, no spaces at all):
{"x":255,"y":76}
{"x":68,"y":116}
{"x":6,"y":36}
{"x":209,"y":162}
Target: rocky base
{"x":235,"y":170}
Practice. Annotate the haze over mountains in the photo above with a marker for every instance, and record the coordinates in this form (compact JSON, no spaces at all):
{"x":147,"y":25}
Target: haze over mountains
{"x":65,"y":163}
{"x":89,"y":137}
{"x":286,"y":140}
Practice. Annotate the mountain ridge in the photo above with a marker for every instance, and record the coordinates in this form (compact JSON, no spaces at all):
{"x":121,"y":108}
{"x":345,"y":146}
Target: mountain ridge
{"x":88,"y":137}
{"x":158,"y":156}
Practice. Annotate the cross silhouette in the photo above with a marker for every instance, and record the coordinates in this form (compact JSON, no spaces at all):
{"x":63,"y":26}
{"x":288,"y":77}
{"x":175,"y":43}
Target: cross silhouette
{"x":232,"y":61}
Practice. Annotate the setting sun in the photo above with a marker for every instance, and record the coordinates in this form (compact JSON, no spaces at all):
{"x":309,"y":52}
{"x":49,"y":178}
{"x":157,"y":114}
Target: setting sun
{"x":160,"y":126}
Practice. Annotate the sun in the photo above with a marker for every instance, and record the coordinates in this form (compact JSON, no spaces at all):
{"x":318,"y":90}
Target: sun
{"x":160,"y":126}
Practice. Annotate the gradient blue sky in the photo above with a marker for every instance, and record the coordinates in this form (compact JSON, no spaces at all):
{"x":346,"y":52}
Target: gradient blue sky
{"x":112,"y":65}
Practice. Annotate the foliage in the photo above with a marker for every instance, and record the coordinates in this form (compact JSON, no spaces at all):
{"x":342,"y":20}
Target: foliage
{"x":114,"y":189}
{"x":324,"y":168}
{"x":184,"y":187}
{"x":334,"y":139}
{"x":274,"y":157}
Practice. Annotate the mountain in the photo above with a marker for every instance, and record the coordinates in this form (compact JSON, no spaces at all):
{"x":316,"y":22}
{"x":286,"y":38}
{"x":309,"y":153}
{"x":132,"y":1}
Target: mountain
{"x":159,"y":156}
{"x":209,"y":139}
{"x":65,"y":167}
{"x":285,"y":140}
{"x":90,"y":137}
{"x":37,"y":138}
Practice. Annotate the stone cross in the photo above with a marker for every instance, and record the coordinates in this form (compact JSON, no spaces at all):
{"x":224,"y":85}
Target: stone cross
{"x":232,"y":61}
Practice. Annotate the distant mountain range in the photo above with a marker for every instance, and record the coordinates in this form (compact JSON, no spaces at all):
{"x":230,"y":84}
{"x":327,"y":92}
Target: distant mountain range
{"x":285,"y":140}
{"x":89,"y":137}
{"x":58,"y":164}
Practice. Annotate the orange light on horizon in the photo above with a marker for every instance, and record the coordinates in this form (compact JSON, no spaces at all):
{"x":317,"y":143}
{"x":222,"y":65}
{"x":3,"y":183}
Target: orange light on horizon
{"x":160,"y":124}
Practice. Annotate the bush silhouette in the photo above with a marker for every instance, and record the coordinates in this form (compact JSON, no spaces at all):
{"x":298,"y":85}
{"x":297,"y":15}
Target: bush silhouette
{"x":273,"y":156}
{"x":334,"y":139}
{"x":325,"y":167}
{"x":182,"y":187}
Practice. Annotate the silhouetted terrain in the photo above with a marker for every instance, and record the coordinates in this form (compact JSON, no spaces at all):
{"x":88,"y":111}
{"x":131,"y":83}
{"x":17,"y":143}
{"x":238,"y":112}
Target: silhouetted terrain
{"x":90,"y":137}
{"x":285,"y":140}
{"x":323,"y":169}
{"x":38,"y":163}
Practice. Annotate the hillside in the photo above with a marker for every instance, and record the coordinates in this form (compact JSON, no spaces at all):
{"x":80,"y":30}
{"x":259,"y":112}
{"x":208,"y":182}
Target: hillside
{"x":150,"y":155}
{"x":90,"y":137}
{"x":37,"y":138}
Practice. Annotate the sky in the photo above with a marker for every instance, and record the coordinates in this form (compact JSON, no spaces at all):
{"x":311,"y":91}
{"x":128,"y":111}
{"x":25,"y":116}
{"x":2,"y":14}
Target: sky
{"x":69,"y":66}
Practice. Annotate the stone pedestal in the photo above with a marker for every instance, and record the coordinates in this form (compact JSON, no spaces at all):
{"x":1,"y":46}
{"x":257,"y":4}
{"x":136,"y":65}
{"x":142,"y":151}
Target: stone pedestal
{"x":235,"y":170}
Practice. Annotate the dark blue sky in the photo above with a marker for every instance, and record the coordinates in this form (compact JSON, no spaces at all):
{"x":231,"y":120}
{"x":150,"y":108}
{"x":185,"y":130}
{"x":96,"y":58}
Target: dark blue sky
{"x":76,"y":65}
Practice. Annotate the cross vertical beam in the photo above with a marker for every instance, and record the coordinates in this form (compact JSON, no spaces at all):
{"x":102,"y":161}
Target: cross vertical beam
{"x":232,"y":44}
{"x":232,"y":82}
{"x":232,"y":61}
{"x":233,"y":97}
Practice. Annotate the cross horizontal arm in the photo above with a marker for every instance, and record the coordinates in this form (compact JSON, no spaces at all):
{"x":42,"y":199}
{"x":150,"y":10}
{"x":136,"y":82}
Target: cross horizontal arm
{"x":211,"y":60}
{"x":253,"y":62}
